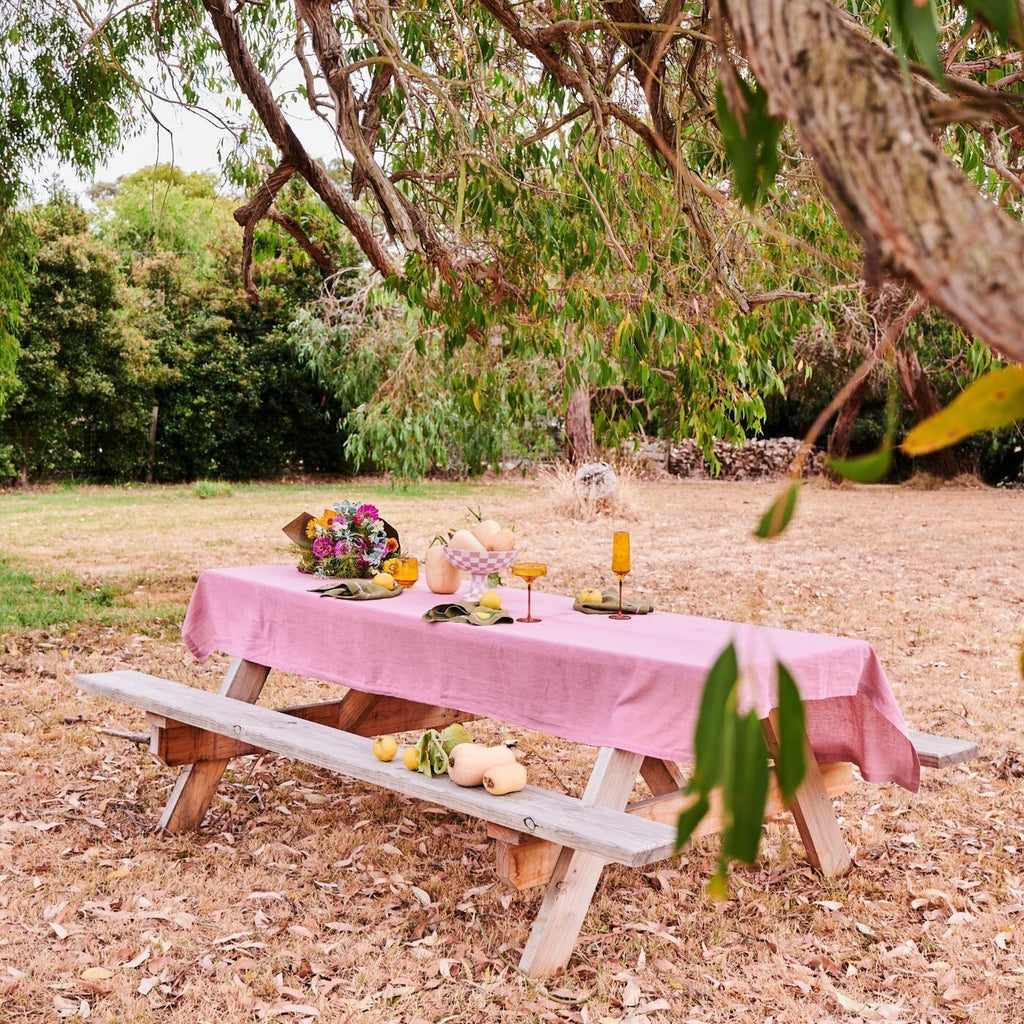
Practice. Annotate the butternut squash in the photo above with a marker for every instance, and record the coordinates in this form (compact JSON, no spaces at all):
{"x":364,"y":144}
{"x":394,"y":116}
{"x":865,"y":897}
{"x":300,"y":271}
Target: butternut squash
{"x":500,"y":779}
{"x":468,"y":762}
{"x":442,"y":576}
{"x":503,"y":540}
{"x":463,"y":540}
{"x":484,"y":530}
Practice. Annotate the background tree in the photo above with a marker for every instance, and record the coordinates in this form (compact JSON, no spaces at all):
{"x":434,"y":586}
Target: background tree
{"x":86,"y":374}
{"x":234,"y":400}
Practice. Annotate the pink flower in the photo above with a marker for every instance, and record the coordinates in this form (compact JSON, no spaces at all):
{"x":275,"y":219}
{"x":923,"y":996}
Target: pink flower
{"x":322,"y":547}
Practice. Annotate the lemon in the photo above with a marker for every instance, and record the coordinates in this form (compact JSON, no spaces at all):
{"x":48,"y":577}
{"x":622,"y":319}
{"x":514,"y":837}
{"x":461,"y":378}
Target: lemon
{"x":411,"y":758}
{"x":590,"y":595}
{"x":385,"y":580}
{"x":384,"y":747}
{"x":491,"y":599}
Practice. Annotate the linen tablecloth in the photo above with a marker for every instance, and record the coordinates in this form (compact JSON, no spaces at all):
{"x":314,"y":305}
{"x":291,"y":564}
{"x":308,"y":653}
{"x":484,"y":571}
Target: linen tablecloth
{"x":634,"y":685}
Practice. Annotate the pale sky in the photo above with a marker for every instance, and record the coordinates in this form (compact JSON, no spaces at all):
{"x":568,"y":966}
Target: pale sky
{"x":187,"y":140}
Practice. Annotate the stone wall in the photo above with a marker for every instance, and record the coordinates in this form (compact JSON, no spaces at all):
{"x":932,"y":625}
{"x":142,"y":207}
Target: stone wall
{"x":758,"y":459}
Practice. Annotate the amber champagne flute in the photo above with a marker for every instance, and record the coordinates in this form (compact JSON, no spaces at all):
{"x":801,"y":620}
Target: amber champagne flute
{"x":620,"y":566}
{"x":528,"y":572}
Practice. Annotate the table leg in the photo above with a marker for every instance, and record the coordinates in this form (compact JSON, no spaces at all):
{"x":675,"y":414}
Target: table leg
{"x":813,"y":813}
{"x":193,"y":792}
{"x":568,"y":895}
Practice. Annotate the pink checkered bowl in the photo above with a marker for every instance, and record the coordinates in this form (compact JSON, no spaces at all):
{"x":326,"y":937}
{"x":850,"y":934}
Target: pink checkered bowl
{"x":479,"y":564}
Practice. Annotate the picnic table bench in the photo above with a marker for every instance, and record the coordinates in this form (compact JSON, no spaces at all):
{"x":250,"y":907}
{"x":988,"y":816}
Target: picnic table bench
{"x":543,"y":837}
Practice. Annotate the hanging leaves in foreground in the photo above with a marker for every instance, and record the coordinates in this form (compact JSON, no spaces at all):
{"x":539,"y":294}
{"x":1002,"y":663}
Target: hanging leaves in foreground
{"x":864,"y":469}
{"x":777,"y":518}
{"x":751,"y":139}
{"x":791,"y":757}
{"x":731,"y":755}
{"x":915,"y":34}
{"x":1002,"y":15}
{"x":993,"y":401}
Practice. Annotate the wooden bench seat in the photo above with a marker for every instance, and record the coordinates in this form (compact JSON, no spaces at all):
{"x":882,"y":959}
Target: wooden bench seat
{"x":942,"y":751}
{"x":565,"y":820}
{"x":233,"y":727}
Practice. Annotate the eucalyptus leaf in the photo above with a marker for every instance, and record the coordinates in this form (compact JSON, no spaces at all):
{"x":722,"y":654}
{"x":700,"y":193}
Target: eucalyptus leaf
{"x":708,"y":742}
{"x":1003,"y":15}
{"x":790,"y":757}
{"x":864,"y":469}
{"x":751,"y":139}
{"x":689,"y":819}
{"x":915,"y":31}
{"x":746,"y":791}
{"x":993,"y":401}
{"x":777,"y":518}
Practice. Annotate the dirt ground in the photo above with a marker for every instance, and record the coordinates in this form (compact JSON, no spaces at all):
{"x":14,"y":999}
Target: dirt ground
{"x":308,"y":897}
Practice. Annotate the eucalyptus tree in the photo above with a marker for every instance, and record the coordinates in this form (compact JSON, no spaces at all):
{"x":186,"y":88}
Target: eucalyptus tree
{"x":551,"y":178}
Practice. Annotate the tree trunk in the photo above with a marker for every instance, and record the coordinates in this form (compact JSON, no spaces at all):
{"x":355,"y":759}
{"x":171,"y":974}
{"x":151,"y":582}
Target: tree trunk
{"x":842,"y":431}
{"x":923,"y":401}
{"x":579,"y":428}
{"x":866,"y":125}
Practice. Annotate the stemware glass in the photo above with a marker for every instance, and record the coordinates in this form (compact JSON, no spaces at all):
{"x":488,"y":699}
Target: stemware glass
{"x":407,"y":572}
{"x":620,"y":566}
{"x":528,"y":572}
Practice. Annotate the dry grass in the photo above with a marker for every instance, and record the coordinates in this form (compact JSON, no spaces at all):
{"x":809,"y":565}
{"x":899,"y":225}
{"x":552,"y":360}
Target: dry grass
{"x":307,"y":895}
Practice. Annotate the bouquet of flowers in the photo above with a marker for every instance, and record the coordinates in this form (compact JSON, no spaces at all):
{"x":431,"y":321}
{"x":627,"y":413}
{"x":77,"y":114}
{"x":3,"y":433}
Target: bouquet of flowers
{"x":349,"y":541}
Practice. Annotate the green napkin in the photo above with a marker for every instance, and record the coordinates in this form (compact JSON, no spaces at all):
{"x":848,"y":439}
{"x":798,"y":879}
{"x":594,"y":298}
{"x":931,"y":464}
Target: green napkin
{"x":609,"y":603}
{"x":355,"y":590}
{"x":474,"y":614}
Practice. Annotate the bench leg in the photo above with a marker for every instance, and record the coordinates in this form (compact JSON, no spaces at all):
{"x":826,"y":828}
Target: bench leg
{"x":568,"y":895}
{"x":814,"y":815}
{"x":193,"y":792}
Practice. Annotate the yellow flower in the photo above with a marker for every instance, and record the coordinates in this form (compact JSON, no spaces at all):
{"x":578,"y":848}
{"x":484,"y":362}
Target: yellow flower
{"x":322,"y":521}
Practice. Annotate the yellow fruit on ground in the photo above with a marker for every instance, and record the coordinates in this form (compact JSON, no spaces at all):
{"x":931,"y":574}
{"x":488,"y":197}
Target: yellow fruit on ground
{"x":384,"y":747}
{"x":491,"y":599}
{"x":385,"y":580}
{"x":590,"y":595}
{"x":411,"y":758}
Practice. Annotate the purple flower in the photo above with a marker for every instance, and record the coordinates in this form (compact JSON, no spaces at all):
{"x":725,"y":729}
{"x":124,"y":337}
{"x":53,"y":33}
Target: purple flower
{"x":341,"y":549}
{"x":368,"y":512}
{"x":322,"y":547}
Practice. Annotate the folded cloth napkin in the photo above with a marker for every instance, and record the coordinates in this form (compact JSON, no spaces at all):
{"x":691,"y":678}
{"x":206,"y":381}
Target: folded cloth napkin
{"x":609,"y":603}
{"x":474,"y":614}
{"x":355,"y":590}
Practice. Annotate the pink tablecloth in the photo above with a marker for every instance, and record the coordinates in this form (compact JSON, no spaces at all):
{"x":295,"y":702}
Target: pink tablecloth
{"x":634,"y":685}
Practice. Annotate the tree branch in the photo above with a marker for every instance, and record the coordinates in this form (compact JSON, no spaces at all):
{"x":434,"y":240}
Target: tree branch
{"x":867,"y":129}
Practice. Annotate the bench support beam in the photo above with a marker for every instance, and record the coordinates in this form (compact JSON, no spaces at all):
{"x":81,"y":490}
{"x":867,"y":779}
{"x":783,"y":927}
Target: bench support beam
{"x":193,"y":792}
{"x":576,"y":874}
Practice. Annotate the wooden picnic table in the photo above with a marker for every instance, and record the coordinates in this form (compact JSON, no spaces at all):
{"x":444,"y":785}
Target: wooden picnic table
{"x":631,"y":690}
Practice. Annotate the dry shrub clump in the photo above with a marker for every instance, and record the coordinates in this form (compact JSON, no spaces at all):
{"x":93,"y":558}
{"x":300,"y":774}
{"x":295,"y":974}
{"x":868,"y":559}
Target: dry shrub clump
{"x":567,"y":498}
{"x":307,"y":897}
